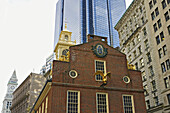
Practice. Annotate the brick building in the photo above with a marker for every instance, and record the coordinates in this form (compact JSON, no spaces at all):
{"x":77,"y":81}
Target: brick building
{"x":74,"y":87}
{"x":26,"y":94}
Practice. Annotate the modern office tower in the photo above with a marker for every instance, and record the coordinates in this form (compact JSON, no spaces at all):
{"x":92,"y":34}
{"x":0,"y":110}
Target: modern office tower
{"x":12,"y":85}
{"x":96,"y":17}
{"x":26,"y":94}
{"x":144,"y":32}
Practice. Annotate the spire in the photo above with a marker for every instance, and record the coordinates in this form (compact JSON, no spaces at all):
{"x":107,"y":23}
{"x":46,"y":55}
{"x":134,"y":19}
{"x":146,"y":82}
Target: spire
{"x":13,"y":79}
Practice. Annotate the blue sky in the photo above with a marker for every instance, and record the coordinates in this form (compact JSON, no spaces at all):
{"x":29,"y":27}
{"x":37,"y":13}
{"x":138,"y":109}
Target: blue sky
{"x":26,"y":37}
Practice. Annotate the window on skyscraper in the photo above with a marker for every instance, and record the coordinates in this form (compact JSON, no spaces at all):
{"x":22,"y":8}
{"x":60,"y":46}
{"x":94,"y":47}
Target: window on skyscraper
{"x":162,"y":36}
{"x":163,"y":67}
{"x":151,"y":70}
{"x":164,"y":50}
{"x":149,"y":57}
{"x":154,"y":2}
{"x":168,"y":96}
{"x":157,"y":11}
{"x":159,"y":23}
{"x":155,"y":27}
{"x":148,"y":104}
{"x":166,"y":82}
{"x":156,"y":101}
{"x":168,"y":1}
{"x":150,"y":4}
{"x":160,"y":53}
{"x":153,"y":84}
{"x":153,"y":15}
{"x":163,"y":4}
{"x":157,"y":40}
{"x":166,"y":16}
{"x":168,"y":29}
{"x":167,"y":64}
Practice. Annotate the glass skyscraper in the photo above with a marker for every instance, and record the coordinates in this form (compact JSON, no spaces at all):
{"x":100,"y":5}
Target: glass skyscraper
{"x":83,"y":17}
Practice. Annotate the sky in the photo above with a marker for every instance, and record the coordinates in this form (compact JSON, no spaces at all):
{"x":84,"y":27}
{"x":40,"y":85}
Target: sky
{"x":26,"y":38}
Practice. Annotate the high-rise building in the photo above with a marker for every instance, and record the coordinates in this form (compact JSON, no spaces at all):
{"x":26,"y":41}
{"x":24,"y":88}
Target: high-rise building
{"x":25,"y":95}
{"x":12,"y":85}
{"x":96,"y":17}
{"x":144,"y":32}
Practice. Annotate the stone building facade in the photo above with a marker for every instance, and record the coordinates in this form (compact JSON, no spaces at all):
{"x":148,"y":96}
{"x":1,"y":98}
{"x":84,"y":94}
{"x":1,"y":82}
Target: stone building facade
{"x":78,"y":87}
{"x":144,"y":33}
{"x":26,"y":94}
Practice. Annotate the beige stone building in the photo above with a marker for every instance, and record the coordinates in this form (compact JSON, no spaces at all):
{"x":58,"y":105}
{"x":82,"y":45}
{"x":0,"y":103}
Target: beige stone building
{"x":26,"y":94}
{"x":144,"y":34}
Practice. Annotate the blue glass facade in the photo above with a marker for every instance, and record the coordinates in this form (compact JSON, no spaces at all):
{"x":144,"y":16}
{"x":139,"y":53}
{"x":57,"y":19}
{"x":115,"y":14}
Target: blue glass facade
{"x":97,"y":17}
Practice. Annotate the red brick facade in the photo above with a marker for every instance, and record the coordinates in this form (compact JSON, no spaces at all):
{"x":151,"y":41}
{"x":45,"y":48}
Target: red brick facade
{"x":82,"y":60}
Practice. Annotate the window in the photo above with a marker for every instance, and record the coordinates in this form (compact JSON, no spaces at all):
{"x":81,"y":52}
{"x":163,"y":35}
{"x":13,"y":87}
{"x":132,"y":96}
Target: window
{"x":128,"y":104}
{"x":162,"y":36}
{"x":144,"y":76}
{"x":141,"y":10}
{"x":157,"y":40}
{"x":141,"y":62}
{"x":168,"y":96}
{"x":159,"y":23}
{"x":148,"y":104}
{"x":154,"y":2}
{"x":146,"y":44}
{"x":138,"y":38}
{"x":157,"y":11}
{"x":143,"y":21}
{"x":153,"y":15}
{"x":166,"y":16}
{"x":151,"y":70}
{"x":164,"y":50}
{"x":144,"y":32}
{"x":100,"y":66}
{"x":46,"y":104}
{"x":167,"y":64}
{"x":73,"y":102}
{"x":166,"y":81}
{"x":160,"y":53}
{"x":140,"y":51}
{"x":168,"y":1}
{"x":43,"y":107}
{"x":168,"y":29}
{"x":40,"y":109}
{"x":102,"y":102}
{"x":150,"y":4}
{"x":130,"y":58}
{"x":134,"y":54}
{"x":163,"y":4}
{"x":155,"y":27}
{"x":136,"y":66}
{"x":149,"y":57}
{"x":145,"y":90}
{"x":163,"y":67}
{"x":153,"y":83}
{"x":156,"y":101}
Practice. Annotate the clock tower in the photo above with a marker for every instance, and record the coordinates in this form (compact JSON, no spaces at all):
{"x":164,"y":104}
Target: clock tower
{"x":11,"y":86}
{"x":62,"y":47}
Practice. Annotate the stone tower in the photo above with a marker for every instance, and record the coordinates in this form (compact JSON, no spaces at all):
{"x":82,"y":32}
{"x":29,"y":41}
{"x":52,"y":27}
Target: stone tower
{"x":11,"y":86}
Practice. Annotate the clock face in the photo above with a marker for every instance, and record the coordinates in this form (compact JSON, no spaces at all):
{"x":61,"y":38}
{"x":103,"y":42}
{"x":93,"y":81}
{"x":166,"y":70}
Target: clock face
{"x":12,"y":87}
{"x":66,"y":37}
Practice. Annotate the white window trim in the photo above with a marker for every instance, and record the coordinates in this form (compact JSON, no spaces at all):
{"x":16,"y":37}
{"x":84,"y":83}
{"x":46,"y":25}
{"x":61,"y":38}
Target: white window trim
{"x":133,"y":107}
{"x":78,"y":99}
{"x":104,"y":67}
{"x":106,"y":101}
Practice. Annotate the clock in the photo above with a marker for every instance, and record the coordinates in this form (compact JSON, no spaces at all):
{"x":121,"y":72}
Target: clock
{"x":66,"y":37}
{"x":12,"y":87}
